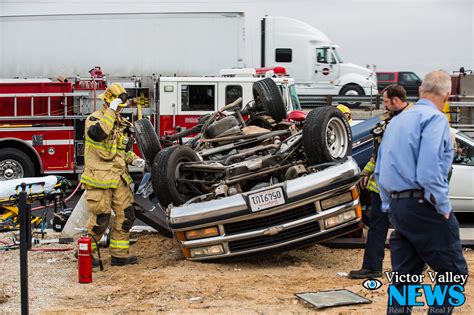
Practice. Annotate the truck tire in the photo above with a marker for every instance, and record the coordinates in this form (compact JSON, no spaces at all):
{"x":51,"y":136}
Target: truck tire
{"x":352,"y":90}
{"x":165,"y":173}
{"x":147,"y":140}
{"x":267,"y":96}
{"x":326,"y":136}
{"x":221,"y":126}
{"x":14,"y":164}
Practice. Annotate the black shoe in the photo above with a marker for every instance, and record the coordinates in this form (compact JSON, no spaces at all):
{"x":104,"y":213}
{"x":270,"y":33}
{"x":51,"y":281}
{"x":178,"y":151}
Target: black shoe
{"x":364,"y":274}
{"x":115,"y":261}
{"x":95,"y":262}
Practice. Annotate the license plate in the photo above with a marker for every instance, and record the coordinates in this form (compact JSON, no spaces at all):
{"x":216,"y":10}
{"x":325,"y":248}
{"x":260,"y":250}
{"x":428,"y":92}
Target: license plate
{"x":266,"y":199}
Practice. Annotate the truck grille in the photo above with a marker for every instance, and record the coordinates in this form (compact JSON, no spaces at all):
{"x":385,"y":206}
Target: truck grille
{"x":271,"y":220}
{"x":261,"y":241}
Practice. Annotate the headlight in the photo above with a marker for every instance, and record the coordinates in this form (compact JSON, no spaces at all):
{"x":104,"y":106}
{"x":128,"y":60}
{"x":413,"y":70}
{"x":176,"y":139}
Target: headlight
{"x":337,"y":200}
{"x":207,"y":251}
{"x":339,"y":219}
{"x":202,"y":233}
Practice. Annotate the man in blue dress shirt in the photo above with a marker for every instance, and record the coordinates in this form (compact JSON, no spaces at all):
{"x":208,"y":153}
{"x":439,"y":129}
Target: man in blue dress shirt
{"x":412,"y":172}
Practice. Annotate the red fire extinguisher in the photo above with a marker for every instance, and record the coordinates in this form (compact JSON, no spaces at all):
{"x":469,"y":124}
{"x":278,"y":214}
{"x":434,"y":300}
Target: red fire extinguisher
{"x":84,"y":259}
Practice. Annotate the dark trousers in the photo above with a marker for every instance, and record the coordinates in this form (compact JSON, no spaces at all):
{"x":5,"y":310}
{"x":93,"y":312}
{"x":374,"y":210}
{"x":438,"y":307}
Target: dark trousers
{"x":423,"y":236}
{"x":374,"y":247}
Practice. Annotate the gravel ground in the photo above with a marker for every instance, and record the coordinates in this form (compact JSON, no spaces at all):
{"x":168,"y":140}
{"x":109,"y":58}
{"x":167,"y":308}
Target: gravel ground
{"x":164,"y":282}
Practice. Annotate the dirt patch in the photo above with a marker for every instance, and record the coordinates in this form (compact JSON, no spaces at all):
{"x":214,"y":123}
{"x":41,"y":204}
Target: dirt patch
{"x":164,"y":282}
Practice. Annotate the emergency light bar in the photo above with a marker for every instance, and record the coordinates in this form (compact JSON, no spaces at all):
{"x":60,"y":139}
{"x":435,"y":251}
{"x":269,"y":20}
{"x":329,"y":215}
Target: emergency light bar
{"x":250,"y":72}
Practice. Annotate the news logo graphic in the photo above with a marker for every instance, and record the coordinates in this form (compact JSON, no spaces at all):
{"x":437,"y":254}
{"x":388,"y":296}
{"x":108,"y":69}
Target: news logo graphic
{"x":372,"y":284}
{"x":446,"y":289}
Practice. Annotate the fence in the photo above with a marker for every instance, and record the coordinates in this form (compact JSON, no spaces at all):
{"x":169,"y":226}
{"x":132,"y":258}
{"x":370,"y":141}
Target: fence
{"x":461,"y":110}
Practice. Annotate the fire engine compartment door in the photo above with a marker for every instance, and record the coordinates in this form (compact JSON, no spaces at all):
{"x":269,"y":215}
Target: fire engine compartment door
{"x":57,"y":150}
{"x":194,"y":100}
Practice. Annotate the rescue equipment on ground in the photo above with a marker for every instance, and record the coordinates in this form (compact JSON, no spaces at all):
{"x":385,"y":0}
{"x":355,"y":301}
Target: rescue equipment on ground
{"x":49,"y":190}
{"x":60,"y":219}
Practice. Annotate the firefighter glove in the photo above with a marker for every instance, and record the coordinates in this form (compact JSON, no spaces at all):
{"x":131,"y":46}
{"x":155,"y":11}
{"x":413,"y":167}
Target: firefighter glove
{"x":115,"y":103}
{"x":138,"y":163}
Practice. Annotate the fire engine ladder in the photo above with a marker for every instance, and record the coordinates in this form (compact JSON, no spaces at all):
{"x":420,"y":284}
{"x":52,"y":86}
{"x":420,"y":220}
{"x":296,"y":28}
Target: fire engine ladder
{"x":48,"y":115}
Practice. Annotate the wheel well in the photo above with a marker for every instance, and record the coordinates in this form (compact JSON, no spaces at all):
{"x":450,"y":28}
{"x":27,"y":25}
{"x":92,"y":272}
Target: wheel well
{"x":25,"y":148}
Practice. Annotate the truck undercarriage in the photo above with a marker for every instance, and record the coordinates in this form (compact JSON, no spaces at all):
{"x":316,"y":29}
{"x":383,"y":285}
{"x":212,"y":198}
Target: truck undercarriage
{"x":284,"y":180}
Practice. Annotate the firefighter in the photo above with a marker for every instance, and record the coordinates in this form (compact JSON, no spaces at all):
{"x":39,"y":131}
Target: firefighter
{"x":447,"y":111}
{"x":108,"y":151}
{"x":346,"y":111}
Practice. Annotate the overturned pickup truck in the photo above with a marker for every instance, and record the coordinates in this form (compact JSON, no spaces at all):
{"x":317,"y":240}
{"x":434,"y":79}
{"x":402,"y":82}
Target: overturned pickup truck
{"x":255,"y":178}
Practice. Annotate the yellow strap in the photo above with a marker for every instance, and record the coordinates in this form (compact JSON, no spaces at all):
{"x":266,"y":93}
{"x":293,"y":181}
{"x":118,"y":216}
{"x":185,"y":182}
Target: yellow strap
{"x":369,"y":167}
{"x":99,"y":184}
{"x":100,"y":145}
{"x":128,"y":179}
{"x":109,"y":120}
{"x":124,"y":244}
{"x":372,"y":185}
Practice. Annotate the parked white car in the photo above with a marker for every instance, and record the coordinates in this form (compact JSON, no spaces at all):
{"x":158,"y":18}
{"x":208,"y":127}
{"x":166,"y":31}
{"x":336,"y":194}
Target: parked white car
{"x":461,"y":186}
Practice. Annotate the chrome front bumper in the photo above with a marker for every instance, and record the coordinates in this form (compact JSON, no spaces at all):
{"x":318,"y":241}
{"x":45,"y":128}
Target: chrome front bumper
{"x":300,"y":218}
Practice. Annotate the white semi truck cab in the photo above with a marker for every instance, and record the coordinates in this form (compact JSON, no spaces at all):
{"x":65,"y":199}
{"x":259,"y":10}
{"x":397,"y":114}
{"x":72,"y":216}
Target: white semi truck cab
{"x":312,"y":60}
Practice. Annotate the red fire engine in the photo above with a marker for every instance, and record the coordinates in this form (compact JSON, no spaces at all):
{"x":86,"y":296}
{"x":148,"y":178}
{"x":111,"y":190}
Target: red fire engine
{"x":42,"y":121}
{"x":41,"y":124}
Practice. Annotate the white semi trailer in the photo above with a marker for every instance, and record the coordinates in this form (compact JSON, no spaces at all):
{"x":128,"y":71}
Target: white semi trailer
{"x":182,"y":44}
{"x":122,"y":44}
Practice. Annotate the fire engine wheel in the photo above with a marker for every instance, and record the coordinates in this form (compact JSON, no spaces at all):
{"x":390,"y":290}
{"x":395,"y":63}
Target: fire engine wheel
{"x":268,"y":97}
{"x":147,"y":140}
{"x":326,"y":136}
{"x":15,"y":164}
{"x":167,"y":177}
{"x":352,"y":90}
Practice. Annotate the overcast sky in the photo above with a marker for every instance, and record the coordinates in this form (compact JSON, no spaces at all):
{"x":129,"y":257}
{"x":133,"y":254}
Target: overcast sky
{"x":418,"y":35}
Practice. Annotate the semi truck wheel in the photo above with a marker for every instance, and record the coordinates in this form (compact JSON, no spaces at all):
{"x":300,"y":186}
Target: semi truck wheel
{"x":166,"y":175}
{"x":267,"y":96}
{"x":147,"y":140}
{"x":352,"y":90}
{"x":14,"y":164}
{"x":326,"y":136}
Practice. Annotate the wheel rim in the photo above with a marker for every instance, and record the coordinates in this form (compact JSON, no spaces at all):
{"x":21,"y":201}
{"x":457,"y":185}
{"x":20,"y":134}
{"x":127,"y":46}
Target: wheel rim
{"x":352,"y":93}
{"x":336,"y":138}
{"x":10,"y":169}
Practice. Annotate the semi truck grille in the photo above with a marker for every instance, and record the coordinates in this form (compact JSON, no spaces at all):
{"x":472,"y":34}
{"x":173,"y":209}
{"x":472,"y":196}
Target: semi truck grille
{"x":261,"y":241}
{"x":271,"y":220}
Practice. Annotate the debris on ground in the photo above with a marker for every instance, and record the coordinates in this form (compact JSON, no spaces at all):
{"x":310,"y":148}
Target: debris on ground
{"x":165,"y":282}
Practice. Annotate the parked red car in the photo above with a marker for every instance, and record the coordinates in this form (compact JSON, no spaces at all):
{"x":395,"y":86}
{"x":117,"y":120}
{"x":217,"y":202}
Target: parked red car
{"x":409,"y":80}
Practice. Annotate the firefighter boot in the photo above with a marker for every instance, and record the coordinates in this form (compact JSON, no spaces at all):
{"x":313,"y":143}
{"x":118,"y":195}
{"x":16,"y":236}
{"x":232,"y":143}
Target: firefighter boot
{"x":115,"y":261}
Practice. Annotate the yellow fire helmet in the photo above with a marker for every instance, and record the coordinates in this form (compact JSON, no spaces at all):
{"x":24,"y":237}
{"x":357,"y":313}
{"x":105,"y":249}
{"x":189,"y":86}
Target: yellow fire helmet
{"x":346,"y":111}
{"x":114,"y":91}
